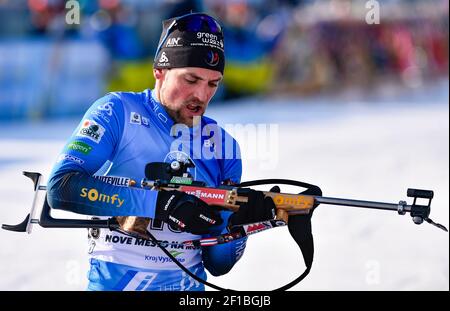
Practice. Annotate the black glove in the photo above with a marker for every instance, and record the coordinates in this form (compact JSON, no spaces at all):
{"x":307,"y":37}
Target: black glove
{"x":258,"y":208}
{"x":187,"y":212}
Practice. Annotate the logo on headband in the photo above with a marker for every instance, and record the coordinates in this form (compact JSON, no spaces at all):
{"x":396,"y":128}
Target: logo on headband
{"x":212,"y":58}
{"x":173,"y":42}
{"x":163,"y":58}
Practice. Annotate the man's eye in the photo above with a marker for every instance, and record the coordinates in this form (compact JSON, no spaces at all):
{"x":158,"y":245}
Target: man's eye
{"x":213,"y":84}
{"x":191,"y":81}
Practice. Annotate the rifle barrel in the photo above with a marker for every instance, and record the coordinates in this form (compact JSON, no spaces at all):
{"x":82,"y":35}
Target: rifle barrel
{"x":363,"y":204}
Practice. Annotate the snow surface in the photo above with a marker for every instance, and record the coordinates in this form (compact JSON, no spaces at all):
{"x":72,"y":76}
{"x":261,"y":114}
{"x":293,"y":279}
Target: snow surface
{"x":355,"y":146}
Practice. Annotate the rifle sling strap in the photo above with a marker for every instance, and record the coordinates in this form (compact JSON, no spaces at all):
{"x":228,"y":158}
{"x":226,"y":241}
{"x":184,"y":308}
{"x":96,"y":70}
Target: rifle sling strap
{"x":299,"y":227}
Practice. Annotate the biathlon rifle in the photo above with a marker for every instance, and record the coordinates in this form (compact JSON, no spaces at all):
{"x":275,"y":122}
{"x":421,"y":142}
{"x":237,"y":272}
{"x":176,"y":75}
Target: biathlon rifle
{"x":175,"y":176}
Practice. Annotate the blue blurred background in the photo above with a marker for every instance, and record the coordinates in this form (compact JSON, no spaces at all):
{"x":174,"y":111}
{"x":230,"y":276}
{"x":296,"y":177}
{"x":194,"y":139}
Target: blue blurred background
{"x":49,"y":68}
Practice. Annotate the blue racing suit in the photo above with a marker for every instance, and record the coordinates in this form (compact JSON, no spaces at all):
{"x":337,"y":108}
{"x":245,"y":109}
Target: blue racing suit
{"x":119,"y":134}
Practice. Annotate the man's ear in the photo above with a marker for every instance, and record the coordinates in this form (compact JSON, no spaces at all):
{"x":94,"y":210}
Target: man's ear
{"x":158,"y":73}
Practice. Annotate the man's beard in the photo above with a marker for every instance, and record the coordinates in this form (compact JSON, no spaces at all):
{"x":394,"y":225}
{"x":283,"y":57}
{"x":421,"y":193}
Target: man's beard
{"x":179,"y":118}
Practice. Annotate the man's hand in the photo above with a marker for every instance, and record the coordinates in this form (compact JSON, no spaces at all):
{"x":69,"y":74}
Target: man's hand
{"x":187,"y":212}
{"x":258,"y":208}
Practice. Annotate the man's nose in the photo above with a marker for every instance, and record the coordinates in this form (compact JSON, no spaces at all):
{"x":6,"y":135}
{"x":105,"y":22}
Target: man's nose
{"x":202,"y":93}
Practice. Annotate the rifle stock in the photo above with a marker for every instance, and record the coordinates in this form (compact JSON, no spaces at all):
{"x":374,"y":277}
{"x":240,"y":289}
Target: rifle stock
{"x":286,"y":204}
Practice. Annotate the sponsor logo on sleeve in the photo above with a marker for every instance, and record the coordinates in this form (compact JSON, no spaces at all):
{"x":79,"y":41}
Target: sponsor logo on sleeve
{"x":107,"y":108}
{"x":91,"y":130}
{"x":116,"y":180}
{"x":80,"y":147}
{"x":69,"y":157}
{"x":104,"y":111}
{"x":94,"y":196}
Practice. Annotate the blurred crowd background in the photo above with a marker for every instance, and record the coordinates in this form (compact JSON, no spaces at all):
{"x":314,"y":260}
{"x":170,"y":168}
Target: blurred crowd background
{"x":50,"y":68}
